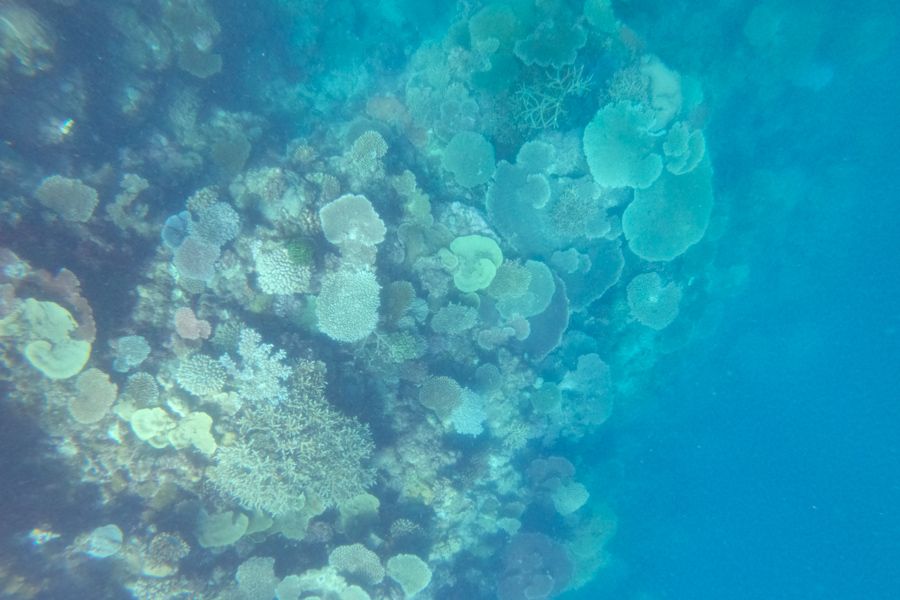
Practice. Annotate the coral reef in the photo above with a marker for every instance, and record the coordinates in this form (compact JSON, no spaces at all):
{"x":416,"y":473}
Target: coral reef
{"x":314,"y":298}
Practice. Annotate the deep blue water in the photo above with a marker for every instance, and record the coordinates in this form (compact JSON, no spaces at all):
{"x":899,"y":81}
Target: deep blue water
{"x":773,"y":467}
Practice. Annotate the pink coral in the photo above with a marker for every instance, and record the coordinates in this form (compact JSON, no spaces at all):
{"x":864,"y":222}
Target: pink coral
{"x":189,"y":327}
{"x":17,"y":276}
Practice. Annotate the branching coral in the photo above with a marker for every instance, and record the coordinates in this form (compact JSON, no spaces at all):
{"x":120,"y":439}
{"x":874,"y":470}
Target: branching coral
{"x":288,"y":452}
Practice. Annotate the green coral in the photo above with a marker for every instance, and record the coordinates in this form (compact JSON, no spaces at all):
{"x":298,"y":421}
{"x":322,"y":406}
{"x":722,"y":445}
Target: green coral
{"x":663,"y":221}
{"x":478,"y":259}
{"x":52,"y":350}
{"x":301,"y":252}
{"x":620,"y":146}
{"x":470,"y":157}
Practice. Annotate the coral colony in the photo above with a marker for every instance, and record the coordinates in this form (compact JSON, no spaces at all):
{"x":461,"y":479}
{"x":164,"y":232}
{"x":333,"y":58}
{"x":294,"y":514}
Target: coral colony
{"x":319,"y":316}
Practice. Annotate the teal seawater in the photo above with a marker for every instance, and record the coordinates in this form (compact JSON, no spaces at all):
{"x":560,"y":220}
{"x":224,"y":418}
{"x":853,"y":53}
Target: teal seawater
{"x":513,"y":299}
{"x":770,"y":470}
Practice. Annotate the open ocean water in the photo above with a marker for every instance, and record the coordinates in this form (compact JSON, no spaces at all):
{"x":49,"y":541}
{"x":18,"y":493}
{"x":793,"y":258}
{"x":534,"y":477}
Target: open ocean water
{"x":511,"y":299}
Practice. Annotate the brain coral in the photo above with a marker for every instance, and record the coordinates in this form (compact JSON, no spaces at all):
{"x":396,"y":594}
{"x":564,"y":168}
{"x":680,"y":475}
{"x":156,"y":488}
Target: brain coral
{"x":663,"y":221}
{"x":347,"y":305}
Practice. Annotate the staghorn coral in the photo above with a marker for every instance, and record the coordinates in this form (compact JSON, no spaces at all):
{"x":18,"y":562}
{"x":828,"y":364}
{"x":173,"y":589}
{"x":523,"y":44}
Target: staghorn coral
{"x":260,"y":374}
{"x":287,"y":453}
{"x":541,"y":105}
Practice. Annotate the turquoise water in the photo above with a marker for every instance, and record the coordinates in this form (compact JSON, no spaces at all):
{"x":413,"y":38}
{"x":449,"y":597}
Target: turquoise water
{"x":513,"y":299}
